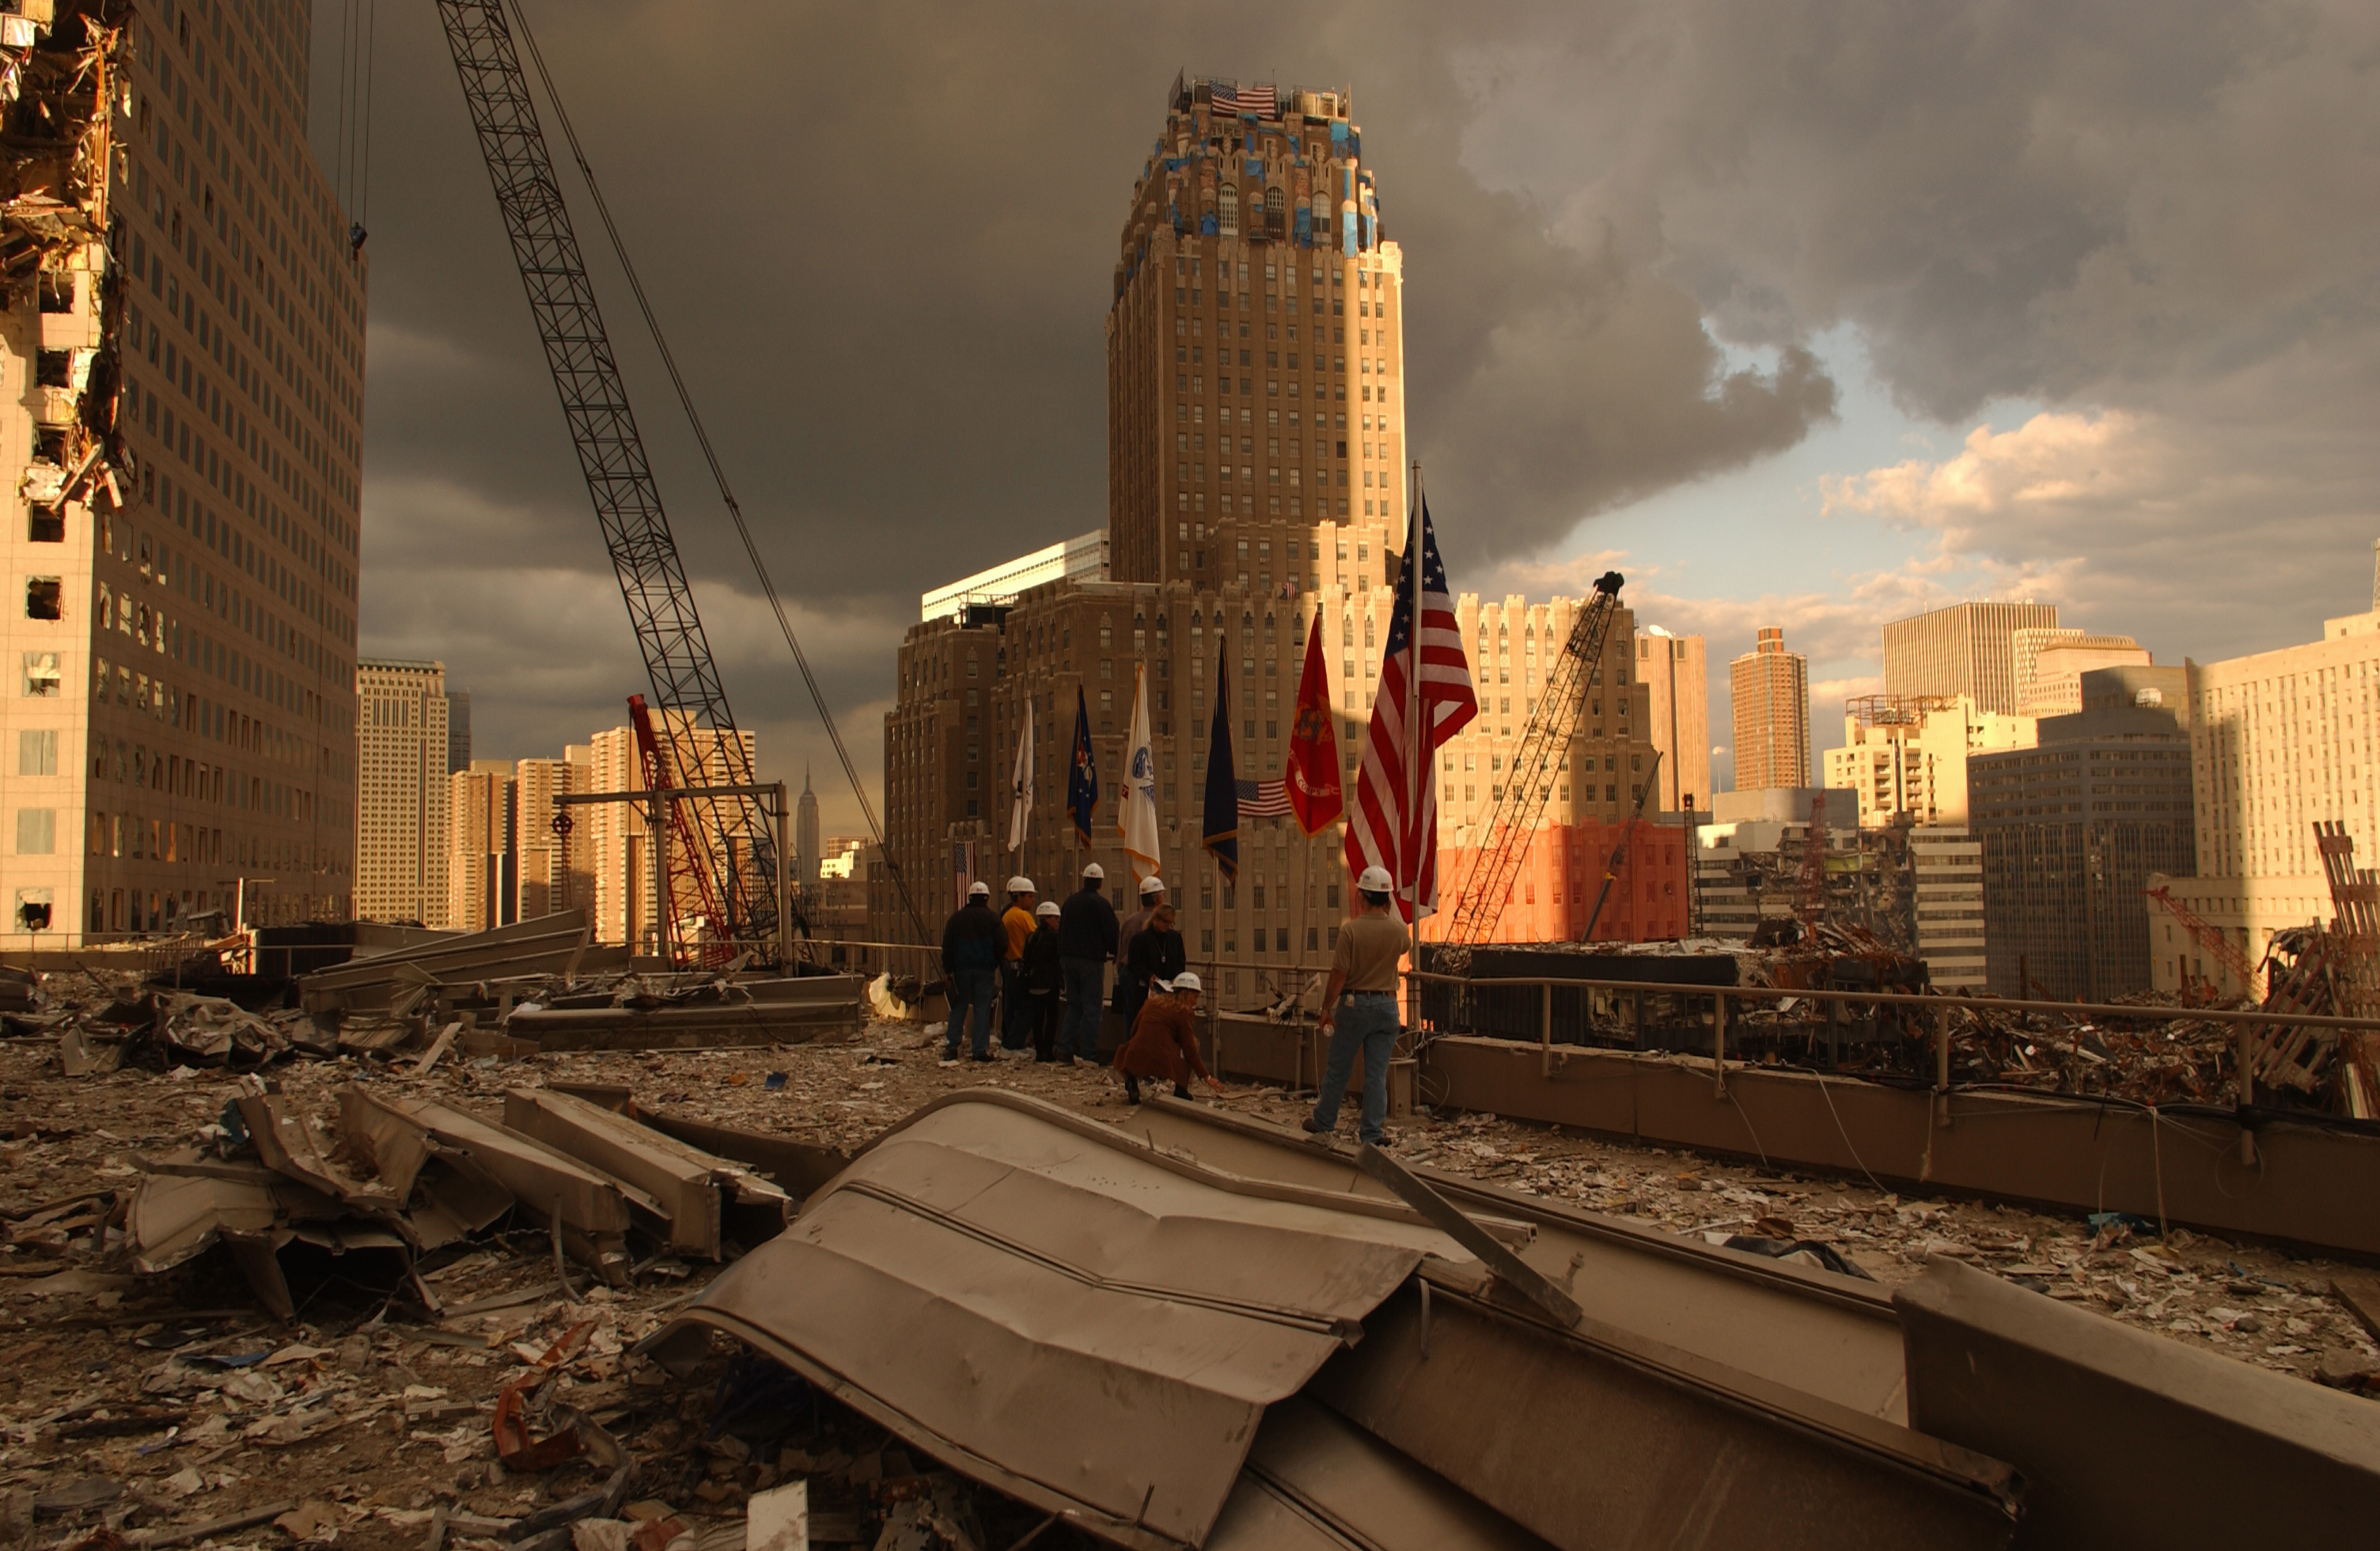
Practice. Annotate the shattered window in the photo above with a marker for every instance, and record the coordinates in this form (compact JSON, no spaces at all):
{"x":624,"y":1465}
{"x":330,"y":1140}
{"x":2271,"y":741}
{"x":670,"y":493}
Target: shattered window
{"x":42,"y":597}
{"x":41,"y":673}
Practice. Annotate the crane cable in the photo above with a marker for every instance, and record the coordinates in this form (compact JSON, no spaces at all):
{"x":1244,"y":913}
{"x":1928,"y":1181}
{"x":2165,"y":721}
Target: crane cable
{"x":718,"y":473}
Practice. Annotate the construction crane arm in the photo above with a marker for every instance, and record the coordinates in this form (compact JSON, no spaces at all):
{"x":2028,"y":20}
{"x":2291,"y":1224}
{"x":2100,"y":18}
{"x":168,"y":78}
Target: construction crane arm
{"x":1513,"y":822}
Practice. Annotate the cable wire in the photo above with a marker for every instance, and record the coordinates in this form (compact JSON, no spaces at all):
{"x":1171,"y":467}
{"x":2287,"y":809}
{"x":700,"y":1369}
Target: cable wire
{"x":718,"y":473}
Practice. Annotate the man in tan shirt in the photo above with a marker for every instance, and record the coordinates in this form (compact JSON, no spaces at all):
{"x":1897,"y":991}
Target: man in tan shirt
{"x":1359,"y":1007}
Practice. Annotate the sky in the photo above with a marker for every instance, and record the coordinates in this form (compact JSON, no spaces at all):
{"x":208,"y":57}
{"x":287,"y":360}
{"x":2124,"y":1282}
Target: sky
{"x":1800,"y":314}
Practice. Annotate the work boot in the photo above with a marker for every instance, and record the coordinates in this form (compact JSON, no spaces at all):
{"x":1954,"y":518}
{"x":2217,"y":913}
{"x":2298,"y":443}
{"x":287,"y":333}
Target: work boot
{"x":1130,"y":1088}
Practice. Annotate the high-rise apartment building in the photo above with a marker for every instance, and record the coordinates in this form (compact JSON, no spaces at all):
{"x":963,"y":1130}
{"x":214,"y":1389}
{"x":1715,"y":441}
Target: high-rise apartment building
{"x":401,"y":839}
{"x":1676,"y":676}
{"x":480,"y":854}
{"x":182,"y":324}
{"x":1770,"y":691}
{"x":2072,"y":829}
{"x":553,"y":870}
{"x":616,"y":835}
{"x":1965,"y":649}
{"x":1907,"y":756}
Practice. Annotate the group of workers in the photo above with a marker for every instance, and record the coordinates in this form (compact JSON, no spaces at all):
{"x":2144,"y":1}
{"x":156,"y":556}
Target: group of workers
{"x":1045,"y":965}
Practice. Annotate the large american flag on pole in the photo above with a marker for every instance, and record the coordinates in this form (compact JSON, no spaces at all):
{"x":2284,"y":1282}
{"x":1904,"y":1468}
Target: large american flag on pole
{"x":1233,"y":101}
{"x":1388,"y":826}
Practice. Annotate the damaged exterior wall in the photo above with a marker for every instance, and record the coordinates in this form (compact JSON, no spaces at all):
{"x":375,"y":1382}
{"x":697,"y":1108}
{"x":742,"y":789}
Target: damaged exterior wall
{"x":180,"y":372}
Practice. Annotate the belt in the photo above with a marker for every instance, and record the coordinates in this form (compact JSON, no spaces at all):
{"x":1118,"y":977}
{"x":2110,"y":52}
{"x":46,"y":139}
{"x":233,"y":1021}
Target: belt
{"x":1346,"y":994}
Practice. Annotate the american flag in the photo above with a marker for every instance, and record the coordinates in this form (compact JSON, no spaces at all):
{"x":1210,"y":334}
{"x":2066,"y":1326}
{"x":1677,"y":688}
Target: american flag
{"x":1232,"y":101}
{"x":1389,"y":827}
{"x":1263,"y":799}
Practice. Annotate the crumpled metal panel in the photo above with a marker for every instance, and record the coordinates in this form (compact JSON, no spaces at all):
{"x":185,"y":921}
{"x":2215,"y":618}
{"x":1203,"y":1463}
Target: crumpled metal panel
{"x":1060,"y":1310}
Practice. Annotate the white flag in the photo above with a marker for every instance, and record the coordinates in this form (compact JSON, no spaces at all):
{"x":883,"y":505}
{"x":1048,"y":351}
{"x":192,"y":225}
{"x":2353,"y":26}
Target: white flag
{"x":1136,"y":810}
{"x":1022,"y":789}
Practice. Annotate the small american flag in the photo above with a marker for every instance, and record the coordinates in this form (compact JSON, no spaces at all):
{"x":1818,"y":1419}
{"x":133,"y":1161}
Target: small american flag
{"x":1230,"y":102}
{"x":1263,"y":799}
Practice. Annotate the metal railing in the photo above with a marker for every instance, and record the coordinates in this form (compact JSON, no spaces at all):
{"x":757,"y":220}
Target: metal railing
{"x":2244,"y":1021}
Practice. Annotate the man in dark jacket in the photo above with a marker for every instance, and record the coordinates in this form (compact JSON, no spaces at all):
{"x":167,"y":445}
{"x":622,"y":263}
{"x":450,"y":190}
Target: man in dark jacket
{"x":972,"y":939}
{"x":1044,"y":973}
{"x":1087,"y":939}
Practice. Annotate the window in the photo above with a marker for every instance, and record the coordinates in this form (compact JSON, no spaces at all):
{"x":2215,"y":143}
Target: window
{"x":1227,"y":209}
{"x":46,"y":525}
{"x":37,"y":832}
{"x":42,"y":599}
{"x":41,"y":670}
{"x":37,"y":751}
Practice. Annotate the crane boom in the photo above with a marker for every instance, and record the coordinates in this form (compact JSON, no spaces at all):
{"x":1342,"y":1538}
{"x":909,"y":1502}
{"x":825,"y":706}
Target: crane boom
{"x":2210,"y":937}
{"x":686,"y":682}
{"x":1513,"y":821}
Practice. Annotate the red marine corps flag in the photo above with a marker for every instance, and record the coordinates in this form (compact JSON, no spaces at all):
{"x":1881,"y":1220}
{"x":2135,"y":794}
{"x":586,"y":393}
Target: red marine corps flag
{"x":1312,"y":775}
{"x":1425,"y":698}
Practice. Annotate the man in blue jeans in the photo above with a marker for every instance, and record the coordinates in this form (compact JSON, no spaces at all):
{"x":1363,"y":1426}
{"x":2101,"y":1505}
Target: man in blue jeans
{"x":1359,"y":1007}
{"x":1087,"y":940}
{"x":971,"y":944}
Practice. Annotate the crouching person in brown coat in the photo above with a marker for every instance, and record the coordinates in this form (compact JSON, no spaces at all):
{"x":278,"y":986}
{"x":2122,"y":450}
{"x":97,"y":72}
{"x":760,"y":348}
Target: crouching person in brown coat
{"x":1164,"y":1043}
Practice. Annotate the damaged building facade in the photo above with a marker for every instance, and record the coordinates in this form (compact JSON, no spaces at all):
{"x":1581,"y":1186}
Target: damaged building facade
{"x":181,"y":356}
{"x":1256,"y":455}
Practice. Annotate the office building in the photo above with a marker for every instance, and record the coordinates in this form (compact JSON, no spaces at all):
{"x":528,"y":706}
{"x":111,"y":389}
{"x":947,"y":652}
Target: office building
{"x":1676,"y":676}
{"x":401,"y":839}
{"x":1906,"y":756}
{"x":1965,"y":648}
{"x":1082,"y":558}
{"x":480,"y":856}
{"x":1748,"y":859}
{"x":807,"y":859}
{"x":1769,"y":689}
{"x":458,"y":730}
{"x":2049,"y":666}
{"x":184,"y":338}
{"x":1255,"y":339}
{"x":1949,"y":909}
{"x":838,"y":901}
{"x":2072,"y":829}
{"x":2279,"y":740}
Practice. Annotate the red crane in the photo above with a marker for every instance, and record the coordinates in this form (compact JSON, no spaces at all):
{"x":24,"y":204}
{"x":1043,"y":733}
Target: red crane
{"x":2209,"y":937}
{"x":689,"y":876}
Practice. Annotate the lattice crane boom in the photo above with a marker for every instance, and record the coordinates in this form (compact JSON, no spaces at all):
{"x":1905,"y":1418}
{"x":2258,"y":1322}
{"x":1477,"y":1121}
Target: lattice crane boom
{"x":1513,"y":821}
{"x":2209,"y":936}
{"x":741,"y":856}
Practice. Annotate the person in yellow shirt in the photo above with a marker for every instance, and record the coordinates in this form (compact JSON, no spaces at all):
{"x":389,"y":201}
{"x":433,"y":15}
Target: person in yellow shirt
{"x":1016,"y":923}
{"x":1359,"y":1008}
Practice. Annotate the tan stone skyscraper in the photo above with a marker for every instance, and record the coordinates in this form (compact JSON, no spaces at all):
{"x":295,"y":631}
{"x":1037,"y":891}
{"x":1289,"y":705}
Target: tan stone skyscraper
{"x":181,"y":331}
{"x":401,"y":816}
{"x":1254,"y":345}
{"x":1770,"y":687}
{"x":1965,"y":649}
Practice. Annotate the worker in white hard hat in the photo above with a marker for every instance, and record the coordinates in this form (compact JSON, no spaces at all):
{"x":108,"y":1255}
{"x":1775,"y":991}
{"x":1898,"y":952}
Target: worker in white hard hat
{"x":1087,"y":940}
{"x":971,"y":940}
{"x":1131,"y":987}
{"x":1164,"y":1043}
{"x":1016,"y":925}
{"x":1359,"y":1007}
{"x":1044,"y":975}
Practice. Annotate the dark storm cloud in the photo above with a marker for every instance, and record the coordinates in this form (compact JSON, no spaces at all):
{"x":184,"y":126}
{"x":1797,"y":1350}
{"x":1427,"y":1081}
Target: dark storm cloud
{"x":882,"y":238}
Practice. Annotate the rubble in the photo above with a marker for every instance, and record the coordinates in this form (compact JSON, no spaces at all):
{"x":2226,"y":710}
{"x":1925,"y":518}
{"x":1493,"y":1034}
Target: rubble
{"x":181,"y":1388}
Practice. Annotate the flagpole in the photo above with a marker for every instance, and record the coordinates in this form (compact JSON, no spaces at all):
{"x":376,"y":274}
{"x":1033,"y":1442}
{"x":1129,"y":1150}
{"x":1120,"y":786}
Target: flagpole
{"x":1414,"y":750}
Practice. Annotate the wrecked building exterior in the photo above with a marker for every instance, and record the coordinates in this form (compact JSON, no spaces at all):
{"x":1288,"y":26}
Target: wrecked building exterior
{"x":183,"y":344}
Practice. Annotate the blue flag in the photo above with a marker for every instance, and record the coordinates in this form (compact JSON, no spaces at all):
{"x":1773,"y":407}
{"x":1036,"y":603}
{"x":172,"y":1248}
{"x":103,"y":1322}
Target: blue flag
{"x":1222,"y":817}
{"x":1082,"y":781}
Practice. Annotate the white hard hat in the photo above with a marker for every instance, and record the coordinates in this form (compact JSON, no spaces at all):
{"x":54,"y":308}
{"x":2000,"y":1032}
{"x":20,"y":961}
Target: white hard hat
{"x":1047,"y":907}
{"x":983,"y":889}
{"x":1376,"y":880}
{"x":1152,"y":886}
{"x":1186,"y":981}
{"x":1095,"y":870}
{"x":1020,"y":884}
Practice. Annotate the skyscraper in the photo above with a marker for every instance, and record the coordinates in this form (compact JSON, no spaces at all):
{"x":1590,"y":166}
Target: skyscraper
{"x":1770,"y":690}
{"x":481,"y":855}
{"x":1965,"y":648}
{"x":401,"y":811}
{"x":458,"y":730}
{"x":806,"y":836}
{"x":1673,"y":669}
{"x":185,"y":336}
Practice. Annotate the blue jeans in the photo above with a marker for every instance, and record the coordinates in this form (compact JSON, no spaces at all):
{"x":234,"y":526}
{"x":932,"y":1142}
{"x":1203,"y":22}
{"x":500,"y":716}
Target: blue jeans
{"x":970,"y":991}
{"x":1079,"y":1034}
{"x":1367,"y":1020}
{"x":1015,"y":1012}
